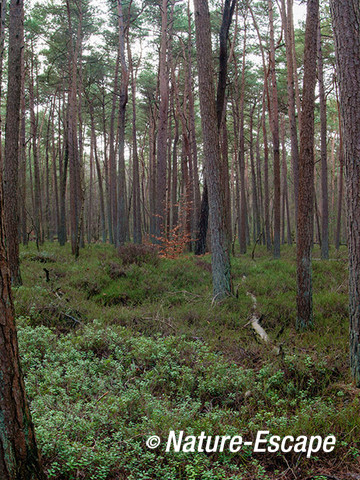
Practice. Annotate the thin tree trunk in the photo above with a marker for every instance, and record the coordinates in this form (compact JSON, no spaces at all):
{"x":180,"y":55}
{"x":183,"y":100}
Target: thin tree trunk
{"x":63,"y":178}
{"x":255,"y":196}
{"x":287,"y":25}
{"x":324,"y":169}
{"x":340,"y":197}
{"x":259,"y":184}
{"x":275,"y":135}
{"x":35,"y":151}
{"x":174,"y":183}
{"x":266,"y":182}
{"x":122,"y":220}
{"x":192,"y":134}
{"x":333,"y":172}
{"x":243,"y":209}
{"x":306,"y":173}
{"x":12,"y":133}
{"x":73,"y":144}
{"x":137,"y":234}
{"x":112,"y":175}
{"x":162,"y":134}
{"x":317,"y":220}
{"x":286,"y":211}
{"x":25,"y":238}
{"x":99,"y":174}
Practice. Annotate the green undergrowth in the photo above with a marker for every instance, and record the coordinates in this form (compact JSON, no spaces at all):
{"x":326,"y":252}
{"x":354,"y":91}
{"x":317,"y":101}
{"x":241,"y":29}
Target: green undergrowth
{"x":116,"y":348}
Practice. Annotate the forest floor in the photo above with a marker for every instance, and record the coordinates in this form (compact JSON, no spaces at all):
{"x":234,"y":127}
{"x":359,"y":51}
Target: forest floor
{"x":116,"y":348}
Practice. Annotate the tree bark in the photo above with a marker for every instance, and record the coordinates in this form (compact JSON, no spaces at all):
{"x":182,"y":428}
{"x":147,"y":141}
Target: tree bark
{"x":137,"y":234}
{"x":19,"y":457}
{"x":243,"y":210}
{"x":306,"y":173}
{"x":2,"y":42}
{"x":340,"y":197}
{"x":72,"y":137}
{"x":286,"y":211}
{"x":266,"y":181}
{"x":192,"y":134}
{"x":219,"y":241}
{"x":35,"y":151}
{"x":22,"y":196}
{"x":228,"y":12}
{"x":12,"y":134}
{"x":287,"y":25}
{"x":255,"y":196}
{"x":161,"y":150}
{"x":346,"y":23}
{"x":275,"y":135}
{"x":324,"y":169}
{"x":122,"y":212}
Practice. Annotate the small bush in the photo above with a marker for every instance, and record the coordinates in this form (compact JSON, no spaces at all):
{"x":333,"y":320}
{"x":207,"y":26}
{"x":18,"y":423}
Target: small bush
{"x":91,"y":288}
{"x":139,"y":254}
{"x":43,"y":258}
{"x":116,"y":271}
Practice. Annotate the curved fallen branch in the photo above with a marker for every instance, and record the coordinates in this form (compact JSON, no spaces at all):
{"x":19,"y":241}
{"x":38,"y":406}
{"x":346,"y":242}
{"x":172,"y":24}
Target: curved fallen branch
{"x":255,"y":322}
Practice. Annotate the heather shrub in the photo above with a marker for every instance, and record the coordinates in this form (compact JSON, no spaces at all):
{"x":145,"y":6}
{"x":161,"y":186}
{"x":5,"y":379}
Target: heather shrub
{"x":138,"y":254}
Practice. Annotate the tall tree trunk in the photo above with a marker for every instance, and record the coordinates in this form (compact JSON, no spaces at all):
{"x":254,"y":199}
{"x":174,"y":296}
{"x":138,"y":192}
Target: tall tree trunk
{"x":2,"y":42}
{"x":285,"y":185}
{"x":48,"y":216}
{"x":122,"y":219}
{"x":152,"y":174}
{"x":64,"y":163}
{"x":161,"y":150}
{"x":35,"y":151}
{"x":243,"y":210}
{"x":12,"y":134}
{"x":266,"y":181}
{"x":259,"y":184}
{"x":228,"y":11}
{"x":193,"y":144}
{"x":55,"y":211}
{"x":112,"y":170}
{"x":174,"y":171}
{"x":106,"y":166}
{"x":346,"y":22}
{"x":219,"y":241}
{"x":275,"y":135}
{"x":137,"y":234}
{"x":98,"y":173}
{"x":287,"y":25}
{"x":324,"y":169}
{"x":306,"y":173}
{"x":333,"y":140}
{"x":73,"y":144}
{"x":255,"y":196}
{"x":19,"y":457}
{"x":22,"y":196}
{"x":340,"y":197}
